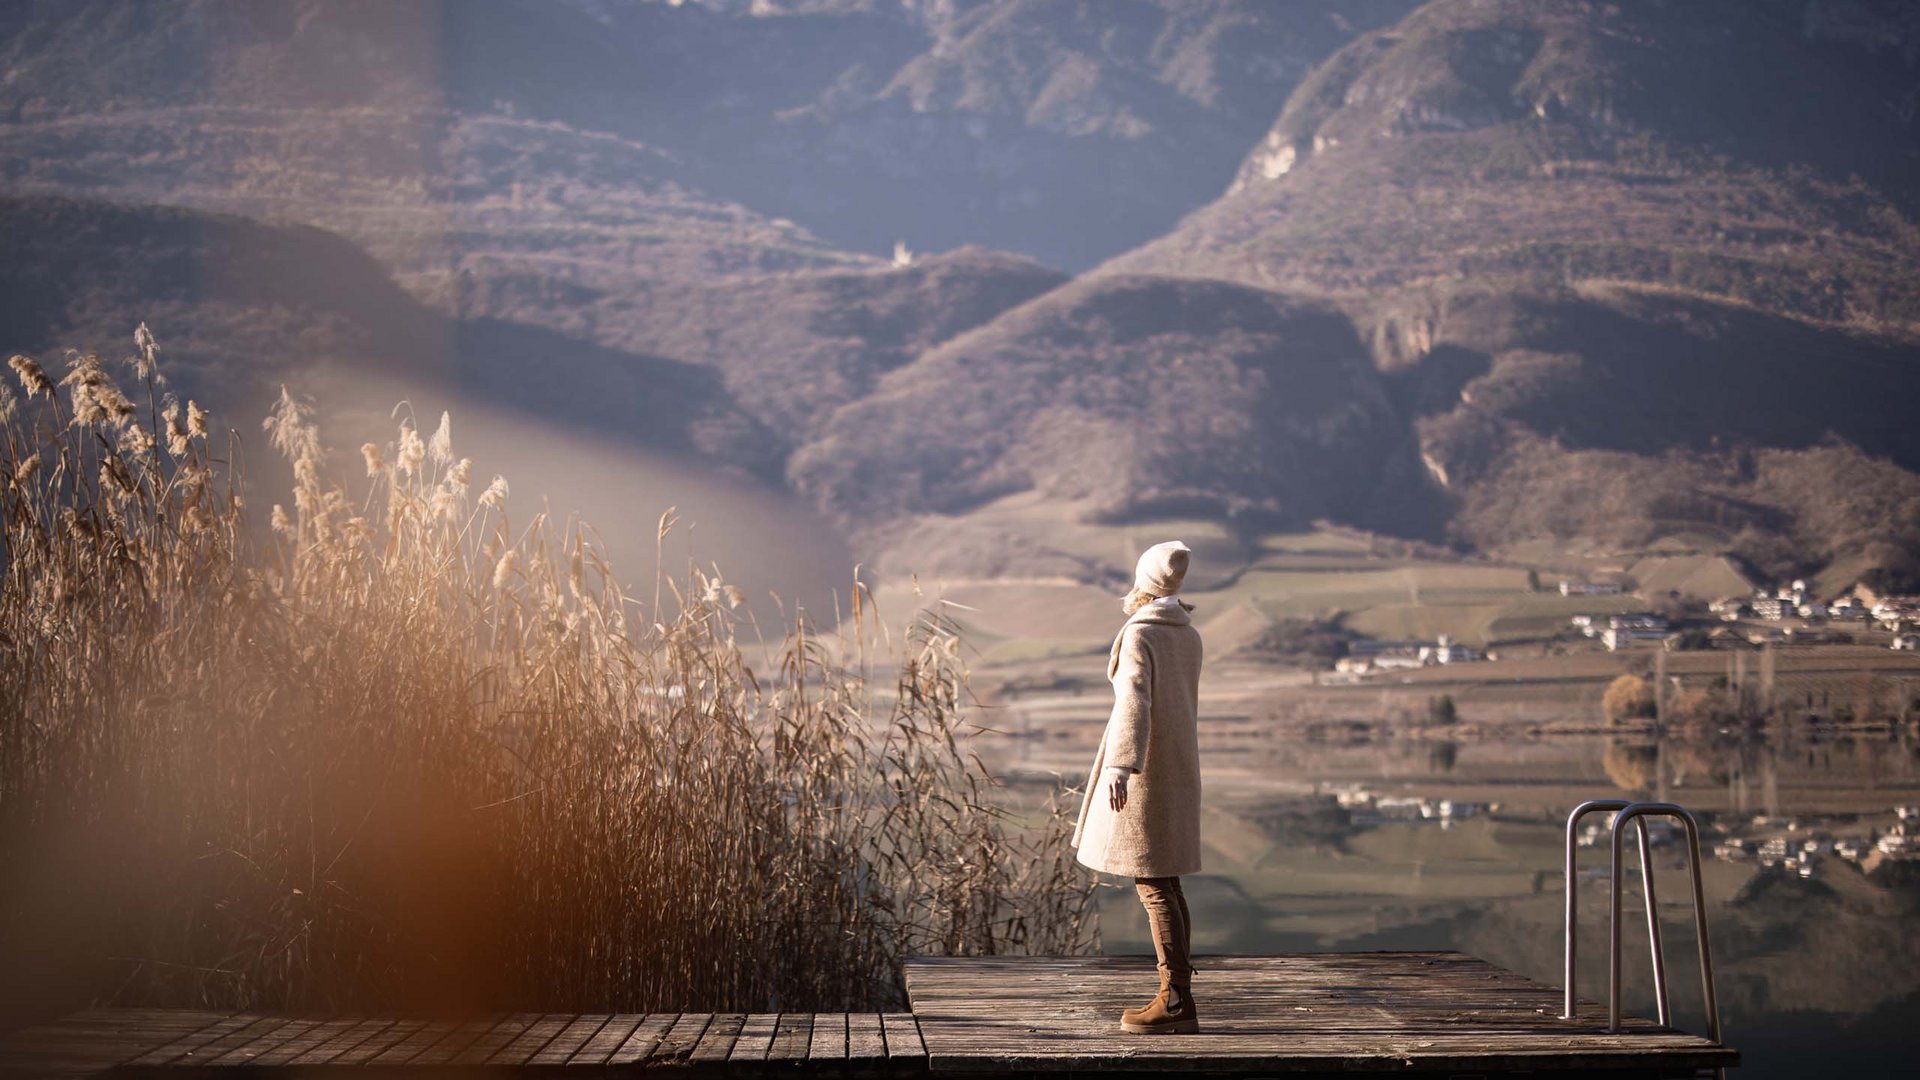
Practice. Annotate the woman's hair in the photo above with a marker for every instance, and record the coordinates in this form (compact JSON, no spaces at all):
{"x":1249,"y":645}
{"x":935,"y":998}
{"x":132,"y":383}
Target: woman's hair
{"x":1139,"y":598}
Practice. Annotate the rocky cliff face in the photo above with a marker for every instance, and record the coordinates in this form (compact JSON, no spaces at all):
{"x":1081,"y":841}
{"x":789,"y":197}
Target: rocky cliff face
{"x":1484,"y":270}
{"x":1722,"y":150}
{"x":1128,"y":397}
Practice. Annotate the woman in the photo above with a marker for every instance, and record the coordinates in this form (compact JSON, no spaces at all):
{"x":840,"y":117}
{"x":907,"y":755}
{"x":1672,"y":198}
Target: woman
{"x":1140,"y":817}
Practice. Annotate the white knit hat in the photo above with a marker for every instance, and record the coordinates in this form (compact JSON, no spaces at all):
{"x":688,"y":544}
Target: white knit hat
{"x":1162,"y":568}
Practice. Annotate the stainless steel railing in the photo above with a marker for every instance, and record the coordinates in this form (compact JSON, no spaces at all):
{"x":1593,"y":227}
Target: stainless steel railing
{"x":1568,"y":1007}
{"x":1636,"y":813}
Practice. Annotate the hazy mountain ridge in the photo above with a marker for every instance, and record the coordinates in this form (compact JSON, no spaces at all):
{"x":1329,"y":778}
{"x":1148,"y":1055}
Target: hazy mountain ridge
{"x":241,"y":307}
{"x":1599,"y":247}
{"x":1017,"y":110}
{"x":1714,"y":148}
{"x":431,"y":193}
{"x":1494,"y":271}
{"x":939,"y":124}
{"x":1131,"y":397}
{"x":794,"y":347}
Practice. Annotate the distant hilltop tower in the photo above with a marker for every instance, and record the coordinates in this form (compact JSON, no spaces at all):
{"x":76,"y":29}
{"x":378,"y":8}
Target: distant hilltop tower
{"x":902,"y":255}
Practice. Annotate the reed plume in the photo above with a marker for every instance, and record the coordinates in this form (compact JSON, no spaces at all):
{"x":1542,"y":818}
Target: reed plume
{"x":404,"y":750}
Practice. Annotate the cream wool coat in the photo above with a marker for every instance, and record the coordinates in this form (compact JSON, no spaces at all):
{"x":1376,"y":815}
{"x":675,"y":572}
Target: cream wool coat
{"x":1155,"y":671}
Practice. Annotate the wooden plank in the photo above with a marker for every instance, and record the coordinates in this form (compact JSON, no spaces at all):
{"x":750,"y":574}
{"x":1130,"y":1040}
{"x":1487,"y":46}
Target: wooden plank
{"x":406,"y":1049}
{"x":307,"y":1040}
{"x":791,"y":1037}
{"x":605,"y":1041}
{"x":903,"y":1036}
{"x":280,"y":1036}
{"x":261,"y":1025}
{"x":571,"y":1039}
{"x":379,"y":1043}
{"x":495,"y":1039}
{"x":716,"y":1043}
{"x":349,"y":1039}
{"x":646,"y":1037}
{"x":530,"y":1042}
{"x":829,"y":1041}
{"x":88,"y":1043}
{"x":756,"y":1036}
{"x":449,"y":1045}
{"x":680,"y":1039}
{"x":865,"y":1041}
{"x":166,"y":1052}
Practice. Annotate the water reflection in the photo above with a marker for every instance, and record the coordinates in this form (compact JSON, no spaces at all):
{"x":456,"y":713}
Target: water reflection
{"x":1372,"y":843}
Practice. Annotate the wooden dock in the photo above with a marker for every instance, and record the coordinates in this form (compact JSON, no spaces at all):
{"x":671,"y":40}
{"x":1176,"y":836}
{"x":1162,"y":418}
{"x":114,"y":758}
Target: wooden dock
{"x":1318,"y":1014}
{"x":1406,"y":1014}
{"x":177,"y":1043}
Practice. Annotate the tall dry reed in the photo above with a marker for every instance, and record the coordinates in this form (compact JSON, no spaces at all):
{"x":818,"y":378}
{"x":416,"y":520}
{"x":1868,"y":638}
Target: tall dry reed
{"x":415,"y":751}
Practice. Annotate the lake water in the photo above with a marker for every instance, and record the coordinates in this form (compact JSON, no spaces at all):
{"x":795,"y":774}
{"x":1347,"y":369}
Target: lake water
{"x":1315,"y":846}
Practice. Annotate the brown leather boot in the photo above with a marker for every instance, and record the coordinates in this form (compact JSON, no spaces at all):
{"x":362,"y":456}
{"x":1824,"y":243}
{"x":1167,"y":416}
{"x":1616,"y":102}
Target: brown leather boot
{"x":1171,"y":1012}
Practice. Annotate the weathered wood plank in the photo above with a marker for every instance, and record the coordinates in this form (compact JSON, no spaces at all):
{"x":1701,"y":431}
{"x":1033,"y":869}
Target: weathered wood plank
{"x":829,"y":1041}
{"x":903,"y":1036}
{"x":456,"y":1040}
{"x":349,"y":1039}
{"x":756,"y":1037}
{"x":261,"y":1025}
{"x":791,"y":1037}
{"x":495,"y":1039}
{"x":224,"y":1026}
{"x":246,"y":1054}
{"x":529,"y":1042}
{"x":646,"y":1037}
{"x":596,"y":1050}
{"x":89,"y":1043}
{"x":315,"y":1035}
{"x":680,"y":1039}
{"x":376,"y":1044}
{"x":865,"y":1041}
{"x":410,"y":1047}
{"x":716,"y":1044}
{"x":570,"y":1039}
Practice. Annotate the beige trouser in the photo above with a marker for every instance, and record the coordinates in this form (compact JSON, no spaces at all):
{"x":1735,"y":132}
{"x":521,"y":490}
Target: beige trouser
{"x":1171,"y":927}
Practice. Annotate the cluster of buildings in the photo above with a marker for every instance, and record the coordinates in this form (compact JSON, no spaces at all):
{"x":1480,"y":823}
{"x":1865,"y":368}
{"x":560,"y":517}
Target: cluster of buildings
{"x":1799,"y":849}
{"x":1364,"y":807}
{"x":1898,"y":615}
{"x":1786,"y":602}
{"x":1618,"y":632}
{"x":1368,"y":656}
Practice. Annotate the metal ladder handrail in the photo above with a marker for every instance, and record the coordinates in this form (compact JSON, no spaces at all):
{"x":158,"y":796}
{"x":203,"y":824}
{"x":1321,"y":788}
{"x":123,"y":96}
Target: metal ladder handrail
{"x":1633,"y":813}
{"x":1569,"y":1007}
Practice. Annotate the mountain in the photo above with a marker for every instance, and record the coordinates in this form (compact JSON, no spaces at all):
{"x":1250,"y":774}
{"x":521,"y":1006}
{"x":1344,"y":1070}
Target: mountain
{"x":1129,"y":398}
{"x":241,"y":307}
{"x":1606,"y":254}
{"x":1068,"y":131}
{"x":1735,"y":151}
{"x":450,"y":143}
{"x":1486,"y":272}
{"x":793,"y":347}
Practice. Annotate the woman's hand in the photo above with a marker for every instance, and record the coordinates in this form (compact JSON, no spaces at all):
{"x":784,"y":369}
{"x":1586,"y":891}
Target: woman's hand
{"x":1117,"y":788}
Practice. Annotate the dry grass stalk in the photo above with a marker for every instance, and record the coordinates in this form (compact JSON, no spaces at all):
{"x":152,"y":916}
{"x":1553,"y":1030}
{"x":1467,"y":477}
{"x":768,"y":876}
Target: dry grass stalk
{"x":409,"y":751}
